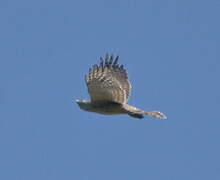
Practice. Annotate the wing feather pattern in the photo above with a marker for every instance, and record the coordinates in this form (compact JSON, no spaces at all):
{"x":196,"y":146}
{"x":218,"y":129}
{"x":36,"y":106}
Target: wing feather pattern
{"x":108,"y":81}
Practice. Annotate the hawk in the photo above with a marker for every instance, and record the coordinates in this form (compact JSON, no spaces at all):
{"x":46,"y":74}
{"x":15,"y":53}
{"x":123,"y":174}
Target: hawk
{"x":109,"y":89}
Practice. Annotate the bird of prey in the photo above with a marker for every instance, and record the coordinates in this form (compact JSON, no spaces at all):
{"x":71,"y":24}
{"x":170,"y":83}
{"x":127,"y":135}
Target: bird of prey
{"x":109,"y":89}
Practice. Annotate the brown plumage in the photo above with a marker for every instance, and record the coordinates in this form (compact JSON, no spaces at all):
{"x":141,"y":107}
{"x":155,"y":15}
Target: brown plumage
{"x":109,"y":89}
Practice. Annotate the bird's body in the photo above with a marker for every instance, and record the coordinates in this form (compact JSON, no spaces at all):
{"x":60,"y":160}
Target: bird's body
{"x":104,"y":107}
{"x":109,"y":89}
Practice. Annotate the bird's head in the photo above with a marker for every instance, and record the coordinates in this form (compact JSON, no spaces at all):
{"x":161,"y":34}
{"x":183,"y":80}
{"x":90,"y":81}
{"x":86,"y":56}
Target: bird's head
{"x":83,"y":104}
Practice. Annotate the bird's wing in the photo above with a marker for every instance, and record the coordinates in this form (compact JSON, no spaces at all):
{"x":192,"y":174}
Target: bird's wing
{"x":108,"y":81}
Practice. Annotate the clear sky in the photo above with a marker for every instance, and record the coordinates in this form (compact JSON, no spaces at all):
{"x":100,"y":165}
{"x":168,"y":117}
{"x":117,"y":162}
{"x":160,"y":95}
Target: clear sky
{"x":171,"y":49}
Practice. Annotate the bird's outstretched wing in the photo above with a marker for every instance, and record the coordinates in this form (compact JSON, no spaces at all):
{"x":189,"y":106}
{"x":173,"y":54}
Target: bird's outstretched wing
{"x":108,"y":81}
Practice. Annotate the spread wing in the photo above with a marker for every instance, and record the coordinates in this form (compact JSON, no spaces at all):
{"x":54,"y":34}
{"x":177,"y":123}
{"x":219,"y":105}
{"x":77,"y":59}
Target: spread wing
{"x":108,"y":81}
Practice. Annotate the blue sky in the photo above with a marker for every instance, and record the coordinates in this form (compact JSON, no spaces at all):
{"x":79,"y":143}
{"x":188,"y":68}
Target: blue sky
{"x":170,"y":49}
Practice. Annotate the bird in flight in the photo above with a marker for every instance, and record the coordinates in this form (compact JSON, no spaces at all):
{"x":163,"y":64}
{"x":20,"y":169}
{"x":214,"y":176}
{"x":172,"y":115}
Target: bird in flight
{"x":109,"y":89}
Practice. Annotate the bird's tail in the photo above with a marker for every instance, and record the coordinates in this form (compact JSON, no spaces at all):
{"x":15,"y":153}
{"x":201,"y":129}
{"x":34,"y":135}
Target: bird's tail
{"x":156,"y":114}
{"x":138,"y":113}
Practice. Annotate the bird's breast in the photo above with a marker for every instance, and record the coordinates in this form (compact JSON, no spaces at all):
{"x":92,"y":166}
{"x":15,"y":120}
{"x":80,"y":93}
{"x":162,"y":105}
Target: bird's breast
{"x":108,"y":108}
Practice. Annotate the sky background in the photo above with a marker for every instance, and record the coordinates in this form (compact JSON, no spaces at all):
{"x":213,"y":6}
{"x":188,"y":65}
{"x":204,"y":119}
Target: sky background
{"x":170,"y":49}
